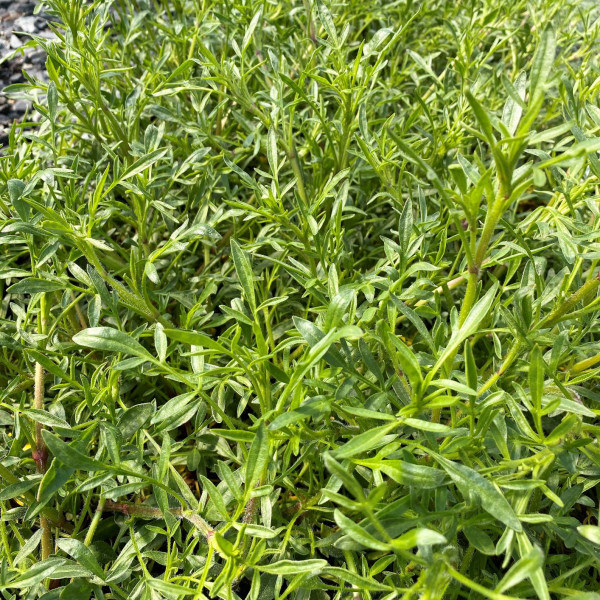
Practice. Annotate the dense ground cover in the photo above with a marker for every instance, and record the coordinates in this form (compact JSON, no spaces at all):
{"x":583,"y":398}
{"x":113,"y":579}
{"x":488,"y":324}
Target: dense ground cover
{"x":300,"y":299}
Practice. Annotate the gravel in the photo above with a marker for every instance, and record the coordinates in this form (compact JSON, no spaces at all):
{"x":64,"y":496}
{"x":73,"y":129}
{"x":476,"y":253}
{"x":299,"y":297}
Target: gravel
{"x":16,"y":22}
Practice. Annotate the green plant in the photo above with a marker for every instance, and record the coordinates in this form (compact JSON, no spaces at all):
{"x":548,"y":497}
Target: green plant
{"x":300,"y":300}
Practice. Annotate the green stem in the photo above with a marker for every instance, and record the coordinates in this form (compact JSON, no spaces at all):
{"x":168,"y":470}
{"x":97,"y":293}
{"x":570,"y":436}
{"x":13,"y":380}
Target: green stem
{"x":151,"y":512}
{"x":493,"y":215}
{"x":89,"y":536}
{"x":555,"y":316}
{"x":470,"y":293}
{"x":510,"y":358}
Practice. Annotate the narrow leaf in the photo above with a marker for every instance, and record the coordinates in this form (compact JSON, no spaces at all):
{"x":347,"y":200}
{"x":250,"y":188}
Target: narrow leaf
{"x":110,"y":340}
{"x":243,"y":269}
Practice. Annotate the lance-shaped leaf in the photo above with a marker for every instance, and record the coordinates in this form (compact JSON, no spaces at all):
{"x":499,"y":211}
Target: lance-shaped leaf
{"x":110,"y":340}
{"x":472,"y":484}
{"x":243,"y":268}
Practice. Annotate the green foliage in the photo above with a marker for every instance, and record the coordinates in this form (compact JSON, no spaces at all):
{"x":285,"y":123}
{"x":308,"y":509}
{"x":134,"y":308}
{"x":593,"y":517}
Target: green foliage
{"x":300,"y":301}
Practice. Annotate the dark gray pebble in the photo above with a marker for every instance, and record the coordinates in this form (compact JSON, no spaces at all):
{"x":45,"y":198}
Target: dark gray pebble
{"x":23,"y":8}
